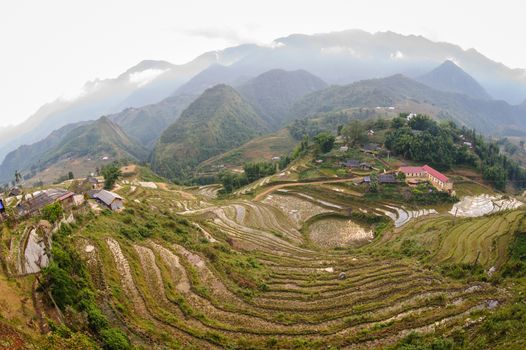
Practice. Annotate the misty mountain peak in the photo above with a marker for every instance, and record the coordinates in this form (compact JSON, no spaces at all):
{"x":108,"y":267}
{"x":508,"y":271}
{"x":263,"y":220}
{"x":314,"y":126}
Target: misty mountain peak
{"x":450,"y":77}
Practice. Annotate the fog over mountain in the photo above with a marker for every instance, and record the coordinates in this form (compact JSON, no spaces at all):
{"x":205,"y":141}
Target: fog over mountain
{"x":337,"y":58}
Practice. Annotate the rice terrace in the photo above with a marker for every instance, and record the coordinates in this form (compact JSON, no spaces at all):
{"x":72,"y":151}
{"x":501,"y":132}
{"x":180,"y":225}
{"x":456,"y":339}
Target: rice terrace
{"x":343,"y":190}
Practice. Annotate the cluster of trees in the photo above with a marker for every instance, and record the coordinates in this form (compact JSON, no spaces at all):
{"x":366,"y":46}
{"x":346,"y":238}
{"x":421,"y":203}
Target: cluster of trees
{"x":424,"y":140}
{"x":301,"y":128}
{"x":496,"y":167}
{"x":252,"y":172}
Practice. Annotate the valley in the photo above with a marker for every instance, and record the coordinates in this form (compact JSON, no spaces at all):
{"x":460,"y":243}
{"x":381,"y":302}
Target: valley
{"x":299,"y":265}
{"x":325,"y":192}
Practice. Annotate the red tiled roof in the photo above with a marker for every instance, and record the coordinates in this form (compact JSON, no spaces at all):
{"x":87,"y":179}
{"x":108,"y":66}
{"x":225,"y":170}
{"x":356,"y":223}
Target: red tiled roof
{"x":435,"y":173}
{"x":411,"y":169}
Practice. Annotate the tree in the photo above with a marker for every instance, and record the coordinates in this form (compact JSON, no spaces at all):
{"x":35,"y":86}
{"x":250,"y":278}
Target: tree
{"x":18,"y":177}
{"x":325,"y":141}
{"x":354,"y":132}
{"x":232,"y":181}
{"x":373,"y":186}
{"x":398,"y":122}
{"x":71,"y":176}
{"x":521,"y":143}
{"x":111,"y":174}
{"x":257,"y":170}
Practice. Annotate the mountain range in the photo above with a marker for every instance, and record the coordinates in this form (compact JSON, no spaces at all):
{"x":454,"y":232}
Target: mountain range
{"x":180,"y":116}
{"x":337,"y":58}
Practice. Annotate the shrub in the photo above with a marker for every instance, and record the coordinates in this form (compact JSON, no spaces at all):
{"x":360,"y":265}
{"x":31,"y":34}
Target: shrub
{"x":52,"y":212}
{"x":461,"y":271}
{"x":114,"y":339}
{"x":411,"y":247}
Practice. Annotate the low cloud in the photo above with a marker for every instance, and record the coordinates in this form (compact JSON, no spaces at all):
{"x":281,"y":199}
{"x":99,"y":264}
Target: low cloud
{"x":228,"y":34}
{"x":146,"y":76}
{"x":397,"y":55}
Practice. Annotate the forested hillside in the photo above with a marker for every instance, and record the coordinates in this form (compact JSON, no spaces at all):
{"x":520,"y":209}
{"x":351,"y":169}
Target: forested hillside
{"x":218,"y":121}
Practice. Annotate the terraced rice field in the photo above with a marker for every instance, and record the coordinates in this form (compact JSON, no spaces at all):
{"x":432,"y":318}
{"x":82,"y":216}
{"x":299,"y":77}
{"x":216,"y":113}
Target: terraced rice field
{"x":175,"y":293}
{"x":402,"y":216}
{"x":332,"y":233}
{"x":473,"y":206}
{"x":484,"y":240}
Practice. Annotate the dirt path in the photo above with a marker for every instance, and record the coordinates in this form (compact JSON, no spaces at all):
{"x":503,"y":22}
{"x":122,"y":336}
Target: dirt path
{"x":280,"y":186}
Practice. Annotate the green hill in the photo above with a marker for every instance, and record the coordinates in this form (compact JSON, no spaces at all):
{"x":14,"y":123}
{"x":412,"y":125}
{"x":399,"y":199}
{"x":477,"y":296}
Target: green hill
{"x":273,"y":93}
{"x":262,"y":148}
{"x":100,"y":138}
{"x":218,"y":121}
{"x":27,"y":158}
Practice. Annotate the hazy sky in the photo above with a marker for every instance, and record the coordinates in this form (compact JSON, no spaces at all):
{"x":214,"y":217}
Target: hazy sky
{"x":51,"y":48}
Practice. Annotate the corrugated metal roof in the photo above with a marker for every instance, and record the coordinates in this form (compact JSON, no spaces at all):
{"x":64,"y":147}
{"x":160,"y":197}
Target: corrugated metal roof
{"x":107,"y":197}
{"x":386,"y":178}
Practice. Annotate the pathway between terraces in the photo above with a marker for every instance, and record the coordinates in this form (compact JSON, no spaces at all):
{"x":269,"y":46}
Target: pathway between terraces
{"x":280,"y":186}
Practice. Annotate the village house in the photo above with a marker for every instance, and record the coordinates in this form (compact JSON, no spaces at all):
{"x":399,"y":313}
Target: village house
{"x":344,"y":148}
{"x":351,"y":163}
{"x":365,"y":166}
{"x":33,"y":203}
{"x":382,"y":179}
{"x":95,"y":184}
{"x":415,"y":174}
{"x":386,"y":179}
{"x":67,"y":200}
{"x":371,"y":148}
{"x":109,"y":199}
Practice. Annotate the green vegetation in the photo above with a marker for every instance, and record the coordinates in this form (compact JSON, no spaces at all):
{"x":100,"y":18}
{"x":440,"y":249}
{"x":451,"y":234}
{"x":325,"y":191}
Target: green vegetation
{"x":111,"y":174}
{"x":68,"y":279}
{"x":325,"y":141}
{"x":52,"y":212}
{"x":252,"y":171}
{"x":441,"y":145}
{"x":218,"y":121}
{"x":96,"y":139}
{"x":262,"y":148}
{"x":432,"y":143}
